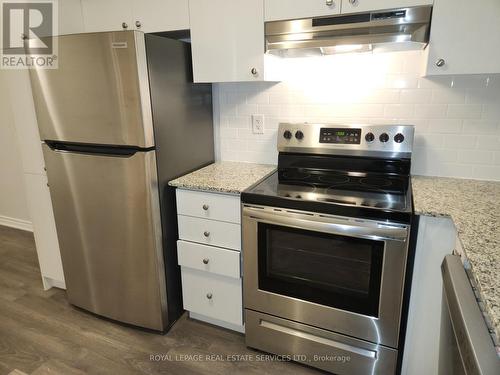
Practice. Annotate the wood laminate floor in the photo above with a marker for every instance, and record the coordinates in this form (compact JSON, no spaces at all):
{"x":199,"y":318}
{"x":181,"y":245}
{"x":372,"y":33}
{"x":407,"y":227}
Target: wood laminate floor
{"x":41,"y":334}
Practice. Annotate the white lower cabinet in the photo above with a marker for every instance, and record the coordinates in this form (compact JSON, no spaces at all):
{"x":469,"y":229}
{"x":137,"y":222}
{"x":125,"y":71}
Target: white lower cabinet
{"x":211,"y":295}
{"x":208,"y":252}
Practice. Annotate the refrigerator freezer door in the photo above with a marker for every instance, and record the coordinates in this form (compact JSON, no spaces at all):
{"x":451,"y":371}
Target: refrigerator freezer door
{"x":108,"y":224}
{"x":100,"y":92}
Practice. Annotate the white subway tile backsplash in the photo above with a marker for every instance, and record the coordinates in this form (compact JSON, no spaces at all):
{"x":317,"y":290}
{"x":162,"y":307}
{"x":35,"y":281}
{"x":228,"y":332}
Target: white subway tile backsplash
{"x":487,"y":172}
{"x":459,"y":141}
{"x":480,"y":126}
{"x":430,"y":110}
{"x":488,"y":142}
{"x":445,"y":126}
{"x":476,"y":157}
{"x":399,"y":110}
{"x":457,"y":119}
{"x":447,"y":96}
{"x":416,"y":96}
{"x":464,"y":111}
{"x":247,"y":109}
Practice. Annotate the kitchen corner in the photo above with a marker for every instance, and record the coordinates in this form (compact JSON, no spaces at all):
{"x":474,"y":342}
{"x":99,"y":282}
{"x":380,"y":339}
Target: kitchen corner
{"x":474,"y":207}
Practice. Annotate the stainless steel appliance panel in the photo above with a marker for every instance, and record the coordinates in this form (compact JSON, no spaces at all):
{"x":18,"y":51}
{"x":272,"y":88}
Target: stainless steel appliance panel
{"x":100,"y":92}
{"x":109,"y":229}
{"x":382,"y":329}
{"x":465,"y":344}
{"x":316,"y":347}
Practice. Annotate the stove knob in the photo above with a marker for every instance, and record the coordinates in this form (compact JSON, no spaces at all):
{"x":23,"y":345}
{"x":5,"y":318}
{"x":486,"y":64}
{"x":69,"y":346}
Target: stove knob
{"x":369,"y":137}
{"x":384,"y":137}
{"x":287,"y":134}
{"x":399,"y":138}
{"x":299,"y":135}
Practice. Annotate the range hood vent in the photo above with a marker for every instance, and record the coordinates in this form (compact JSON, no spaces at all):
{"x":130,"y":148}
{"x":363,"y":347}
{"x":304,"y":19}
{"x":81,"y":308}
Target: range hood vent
{"x":394,"y":29}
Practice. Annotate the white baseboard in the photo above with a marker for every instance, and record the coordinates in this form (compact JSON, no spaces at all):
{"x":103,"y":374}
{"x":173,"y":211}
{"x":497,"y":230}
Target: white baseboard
{"x":16,"y":223}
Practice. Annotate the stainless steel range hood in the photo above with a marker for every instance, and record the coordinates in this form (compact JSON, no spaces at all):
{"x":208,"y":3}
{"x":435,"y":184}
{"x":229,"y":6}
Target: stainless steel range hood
{"x":393,"y":29}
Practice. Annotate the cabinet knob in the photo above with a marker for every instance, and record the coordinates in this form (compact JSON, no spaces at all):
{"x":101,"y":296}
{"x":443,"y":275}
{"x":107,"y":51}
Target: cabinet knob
{"x":206,"y":260}
{"x":138,"y":24}
{"x":209,"y":296}
{"x":124,"y":25}
{"x":330,"y":3}
{"x":254,"y":71}
{"x":353,"y":2}
{"x":440,"y":63}
{"x":205,"y":207}
{"x":206,"y":233}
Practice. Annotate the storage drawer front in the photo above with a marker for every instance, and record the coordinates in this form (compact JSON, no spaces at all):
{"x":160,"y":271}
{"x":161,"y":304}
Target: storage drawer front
{"x":210,"y":232}
{"x":225,"y":302}
{"x":317,"y":347}
{"x":209,"y":205}
{"x":209,"y":259}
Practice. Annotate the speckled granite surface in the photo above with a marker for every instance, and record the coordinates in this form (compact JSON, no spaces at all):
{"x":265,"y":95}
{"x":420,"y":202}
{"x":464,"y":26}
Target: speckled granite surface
{"x":224,"y":177}
{"x":474,"y":207}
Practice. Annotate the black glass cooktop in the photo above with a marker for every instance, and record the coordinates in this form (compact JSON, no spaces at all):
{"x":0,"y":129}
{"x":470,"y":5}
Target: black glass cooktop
{"x":362,"y":195}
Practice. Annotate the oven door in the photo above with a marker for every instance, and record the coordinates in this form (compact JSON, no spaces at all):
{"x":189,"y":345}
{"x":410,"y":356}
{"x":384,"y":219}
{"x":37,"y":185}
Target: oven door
{"x":336,"y":273}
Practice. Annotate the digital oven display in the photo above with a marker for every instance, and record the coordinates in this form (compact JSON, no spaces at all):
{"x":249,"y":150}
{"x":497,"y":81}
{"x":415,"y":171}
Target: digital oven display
{"x":345,"y":136}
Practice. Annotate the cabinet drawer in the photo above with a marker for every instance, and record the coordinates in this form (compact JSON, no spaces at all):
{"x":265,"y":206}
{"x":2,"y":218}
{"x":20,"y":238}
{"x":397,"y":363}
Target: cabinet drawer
{"x":209,"y":205}
{"x":210,"y":232}
{"x":214,"y":296}
{"x":293,"y":9}
{"x":209,"y":259}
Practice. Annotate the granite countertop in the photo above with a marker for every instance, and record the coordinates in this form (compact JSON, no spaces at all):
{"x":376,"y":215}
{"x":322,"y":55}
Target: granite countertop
{"x":474,"y":207}
{"x":224,"y":177}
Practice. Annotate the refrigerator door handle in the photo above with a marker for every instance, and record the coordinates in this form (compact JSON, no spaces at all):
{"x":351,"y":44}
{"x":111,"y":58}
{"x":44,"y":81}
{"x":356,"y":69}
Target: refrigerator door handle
{"x":104,"y":150}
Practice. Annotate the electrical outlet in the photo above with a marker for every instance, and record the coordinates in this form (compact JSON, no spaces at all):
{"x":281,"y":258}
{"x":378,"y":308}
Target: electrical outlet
{"x":258,"y":124}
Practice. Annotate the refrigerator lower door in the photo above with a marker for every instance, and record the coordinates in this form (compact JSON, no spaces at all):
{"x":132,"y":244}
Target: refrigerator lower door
{"x":107,"y":216}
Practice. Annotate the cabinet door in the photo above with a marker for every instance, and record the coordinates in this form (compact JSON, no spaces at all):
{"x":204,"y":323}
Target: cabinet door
{"x":227,"y":39}
{"x":354,"y":6}
{"x":160,"y":15}
{"x":70,"y":17}
{"x":292,"y":9}
{"x":106,"y":15}
{"x":464,"y":38}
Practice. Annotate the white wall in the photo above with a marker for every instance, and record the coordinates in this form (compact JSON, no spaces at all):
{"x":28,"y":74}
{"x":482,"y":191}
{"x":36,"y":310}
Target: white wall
{"x":457,"y":118}
{"x":12,"y":193}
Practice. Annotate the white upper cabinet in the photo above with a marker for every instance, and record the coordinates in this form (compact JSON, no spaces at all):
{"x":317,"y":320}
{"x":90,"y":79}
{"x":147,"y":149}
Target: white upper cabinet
{"x":146,"y":15}
{"x":70,"y":17}
{"x":107,"y":15}
{"x":292,"y":9}
{"x":227,"y":41}
{"x":354,"y":6}
{"x":161,"y":15}
{"x":465,"y":38}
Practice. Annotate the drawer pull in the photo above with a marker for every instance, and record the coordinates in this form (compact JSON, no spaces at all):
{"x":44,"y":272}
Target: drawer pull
{"x":205,"y":261}
{"x":206,"y":233}
{"x":205,"y":207}
{"x":209,"y":295}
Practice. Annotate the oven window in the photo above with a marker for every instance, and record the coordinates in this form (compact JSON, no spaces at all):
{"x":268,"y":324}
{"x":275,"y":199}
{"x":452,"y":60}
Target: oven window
{"x":331,"y":270}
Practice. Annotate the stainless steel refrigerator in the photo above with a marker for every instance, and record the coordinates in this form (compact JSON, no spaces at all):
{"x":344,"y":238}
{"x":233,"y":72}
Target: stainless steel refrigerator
{"x":119,"y":118}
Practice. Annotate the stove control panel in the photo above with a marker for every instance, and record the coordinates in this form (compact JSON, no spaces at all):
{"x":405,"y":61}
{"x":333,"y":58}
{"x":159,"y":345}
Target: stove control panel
{"x":340,"y":136}
{"x":393,"y":140}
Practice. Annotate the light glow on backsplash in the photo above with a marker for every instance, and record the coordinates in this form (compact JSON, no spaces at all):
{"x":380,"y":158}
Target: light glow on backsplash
{"x":457,"y":119}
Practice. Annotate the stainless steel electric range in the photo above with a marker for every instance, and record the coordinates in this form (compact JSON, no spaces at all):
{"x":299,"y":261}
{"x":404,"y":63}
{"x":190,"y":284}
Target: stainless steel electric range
{"x":325,"y":247}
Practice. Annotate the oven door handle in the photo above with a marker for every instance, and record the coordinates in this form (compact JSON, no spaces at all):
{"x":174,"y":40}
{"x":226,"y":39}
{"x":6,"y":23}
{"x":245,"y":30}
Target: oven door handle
{"x":329,"y":224}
